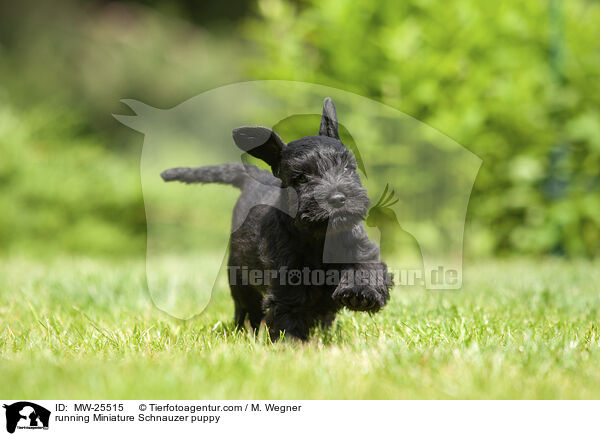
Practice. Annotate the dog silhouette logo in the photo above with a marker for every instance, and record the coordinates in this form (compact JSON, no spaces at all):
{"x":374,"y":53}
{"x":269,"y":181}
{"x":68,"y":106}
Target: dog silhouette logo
{"x":26,"y":415}
{"x":419,"y":179}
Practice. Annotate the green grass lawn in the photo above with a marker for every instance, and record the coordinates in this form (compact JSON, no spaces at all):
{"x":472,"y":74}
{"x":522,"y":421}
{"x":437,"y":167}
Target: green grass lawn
{"x":73,"y":328}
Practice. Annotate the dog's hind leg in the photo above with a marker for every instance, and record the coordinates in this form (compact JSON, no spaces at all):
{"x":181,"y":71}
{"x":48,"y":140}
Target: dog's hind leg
{"x":247,"y":301}
{"x":239,"y":315}
{"x":252,"y":298}
{"x":256,"y":315}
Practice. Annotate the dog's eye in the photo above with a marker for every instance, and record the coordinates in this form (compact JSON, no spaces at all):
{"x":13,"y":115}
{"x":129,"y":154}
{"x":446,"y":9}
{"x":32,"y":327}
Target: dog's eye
{"x":301,"y":179}
{"x":348,"y":168}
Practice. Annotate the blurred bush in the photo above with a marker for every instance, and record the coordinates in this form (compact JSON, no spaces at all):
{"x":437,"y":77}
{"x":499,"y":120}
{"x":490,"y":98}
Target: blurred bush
{"x":69,"y":172}
{"x":61,"y":191}
{"x":513,"y":82}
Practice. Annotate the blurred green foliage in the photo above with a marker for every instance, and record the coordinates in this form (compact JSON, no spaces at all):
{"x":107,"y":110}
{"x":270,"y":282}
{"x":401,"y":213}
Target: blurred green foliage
{"x":69,"y":172}
{"x":62,"y":191}
{"x":516,"y":83}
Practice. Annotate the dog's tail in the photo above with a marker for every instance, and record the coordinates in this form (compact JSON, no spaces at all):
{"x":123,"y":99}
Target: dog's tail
{"x":228,"y":174}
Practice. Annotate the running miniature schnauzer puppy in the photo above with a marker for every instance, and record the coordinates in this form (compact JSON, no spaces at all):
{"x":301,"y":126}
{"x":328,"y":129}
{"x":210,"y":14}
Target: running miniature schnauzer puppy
{"x":306,"y":216}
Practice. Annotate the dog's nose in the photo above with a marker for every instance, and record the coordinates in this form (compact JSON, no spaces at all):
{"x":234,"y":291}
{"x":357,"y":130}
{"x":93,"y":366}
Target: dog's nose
{"x":337,"y":199}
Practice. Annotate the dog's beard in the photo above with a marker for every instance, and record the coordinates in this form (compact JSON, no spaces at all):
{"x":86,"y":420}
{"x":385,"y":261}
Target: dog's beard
{"x":340,"y":221}
{"x":317,"y":216}
{"x":321,"y":220}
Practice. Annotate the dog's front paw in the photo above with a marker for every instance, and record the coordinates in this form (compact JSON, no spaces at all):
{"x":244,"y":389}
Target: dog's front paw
{"x":361,"y":298}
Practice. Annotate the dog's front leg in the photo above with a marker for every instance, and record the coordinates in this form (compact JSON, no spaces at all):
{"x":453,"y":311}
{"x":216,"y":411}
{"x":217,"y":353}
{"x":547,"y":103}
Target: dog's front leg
{"x":364,"y":287}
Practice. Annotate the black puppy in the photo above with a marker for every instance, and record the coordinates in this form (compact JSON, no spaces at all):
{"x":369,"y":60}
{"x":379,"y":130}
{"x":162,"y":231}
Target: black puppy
{"x":295,"y":227}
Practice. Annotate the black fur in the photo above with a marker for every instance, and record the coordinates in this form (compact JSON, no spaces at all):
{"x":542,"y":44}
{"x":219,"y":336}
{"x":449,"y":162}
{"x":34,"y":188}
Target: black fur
{"x":319,"y":218}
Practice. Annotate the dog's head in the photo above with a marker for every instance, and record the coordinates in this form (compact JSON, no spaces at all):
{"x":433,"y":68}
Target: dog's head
{"x":320,"y":168}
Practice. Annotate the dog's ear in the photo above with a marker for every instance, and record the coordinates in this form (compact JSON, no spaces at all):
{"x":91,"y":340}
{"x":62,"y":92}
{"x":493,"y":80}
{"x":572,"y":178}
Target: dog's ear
{"x":262,"y":143}
{"x":329,"y":122}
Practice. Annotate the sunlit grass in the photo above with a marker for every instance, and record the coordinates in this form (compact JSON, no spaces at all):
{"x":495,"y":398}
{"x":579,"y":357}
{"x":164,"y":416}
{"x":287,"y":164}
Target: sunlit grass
{"x":87,"y":329}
